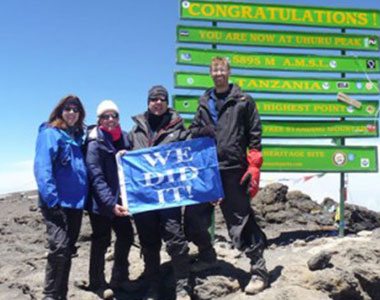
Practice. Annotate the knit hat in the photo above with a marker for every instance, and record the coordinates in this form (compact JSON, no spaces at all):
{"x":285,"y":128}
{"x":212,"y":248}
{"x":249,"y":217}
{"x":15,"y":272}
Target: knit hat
{"x":106,"y":105}
{"x":158,"y":90}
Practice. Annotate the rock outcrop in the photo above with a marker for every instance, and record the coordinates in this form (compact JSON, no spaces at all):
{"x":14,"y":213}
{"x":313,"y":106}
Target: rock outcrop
{"x":305,"y":258}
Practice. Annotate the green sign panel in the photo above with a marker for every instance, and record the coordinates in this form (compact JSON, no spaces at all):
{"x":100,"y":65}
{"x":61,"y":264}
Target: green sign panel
{"x":275,"y":61}
{"x":309,"y":129}
{"x":280,"y":14}
{"x":283,"y":85}
{"x":316,"y":108}
{"x":266,"y":38}
{"x":319,"y":159}
{"x":287,"y":107}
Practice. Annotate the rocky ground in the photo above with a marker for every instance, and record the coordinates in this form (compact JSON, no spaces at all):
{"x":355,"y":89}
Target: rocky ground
{"x":305,"y":257}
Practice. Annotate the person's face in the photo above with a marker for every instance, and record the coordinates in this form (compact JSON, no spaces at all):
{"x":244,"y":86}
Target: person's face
{"x":158,"y":106}
{"x":109,"y":119}
{"x":70,"y":114}
{"x":220,"y":74}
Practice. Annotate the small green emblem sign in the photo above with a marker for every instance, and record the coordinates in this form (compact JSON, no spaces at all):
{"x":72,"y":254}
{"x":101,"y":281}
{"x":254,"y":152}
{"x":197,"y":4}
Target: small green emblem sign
{"x":276,"y":61}
{"x":283,"y":85}
{"x":319,"y":159}
{"x":280,"y":14}
{"x":266,"y":38}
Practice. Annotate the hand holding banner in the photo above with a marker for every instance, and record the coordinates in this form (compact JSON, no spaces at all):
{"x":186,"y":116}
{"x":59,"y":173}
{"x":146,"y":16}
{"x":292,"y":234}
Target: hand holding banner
{"x":176,"y":174}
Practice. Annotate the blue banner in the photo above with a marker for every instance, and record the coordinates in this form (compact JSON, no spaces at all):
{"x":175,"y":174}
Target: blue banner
{"x":176,"y":174}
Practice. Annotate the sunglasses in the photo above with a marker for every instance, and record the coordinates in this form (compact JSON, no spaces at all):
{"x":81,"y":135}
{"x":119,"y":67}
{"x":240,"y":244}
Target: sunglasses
{"x":71,"y":108}
{"x":157,"y":99}
{"x":109,"y":116}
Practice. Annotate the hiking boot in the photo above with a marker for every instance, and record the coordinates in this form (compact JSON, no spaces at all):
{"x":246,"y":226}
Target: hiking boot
{"x":183,"y":295}
{"x":127,"y":285}
{"x":182,"y":289}
{"x":203,"y":265}
{"x":103,"y":291}
{"x":255,"y":285}
{"x":153,"y":292}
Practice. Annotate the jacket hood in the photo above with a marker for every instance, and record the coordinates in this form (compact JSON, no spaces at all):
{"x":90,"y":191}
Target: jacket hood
{"x":92,"y":133}
{"x":95,"y":133}
{"x":142,"y":122}
{"x":43,"y":126}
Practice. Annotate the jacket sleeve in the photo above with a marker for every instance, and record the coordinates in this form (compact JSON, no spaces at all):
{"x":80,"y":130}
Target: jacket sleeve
{"x":184,"y":133}
{"x":128,"y":142}
{"x":253,"y":126}
{"x":196,"y":124}
{"x":46,"y":153}
{"x":99,"y":186}
{"x":131,"y":138}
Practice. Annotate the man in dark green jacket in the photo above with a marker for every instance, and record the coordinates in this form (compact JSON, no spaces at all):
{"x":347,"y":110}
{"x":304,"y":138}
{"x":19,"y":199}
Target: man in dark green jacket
{"x":230,"y":115}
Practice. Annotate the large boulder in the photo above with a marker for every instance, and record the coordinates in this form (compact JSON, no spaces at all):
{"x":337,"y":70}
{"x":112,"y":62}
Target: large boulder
{"x":274,"y":204}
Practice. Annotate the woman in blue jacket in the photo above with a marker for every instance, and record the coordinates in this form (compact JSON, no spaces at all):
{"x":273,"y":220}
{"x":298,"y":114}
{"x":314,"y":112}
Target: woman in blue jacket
{"x":61,"y":176}
{"x":104,"y":205}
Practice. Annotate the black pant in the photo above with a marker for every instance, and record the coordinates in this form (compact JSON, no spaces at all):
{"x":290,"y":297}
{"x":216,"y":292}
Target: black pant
{"x":243,"y":230}
{"x":197,"y":221}
{"x":101,"y":240}
{"x":62,"y":227}
{"x":152,"y":226}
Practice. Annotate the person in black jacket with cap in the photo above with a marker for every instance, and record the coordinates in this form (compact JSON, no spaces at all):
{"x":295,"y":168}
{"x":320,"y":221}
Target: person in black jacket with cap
{"x":157,"y":126}
{"x":104,"y":204}
{"x":230,"y":115}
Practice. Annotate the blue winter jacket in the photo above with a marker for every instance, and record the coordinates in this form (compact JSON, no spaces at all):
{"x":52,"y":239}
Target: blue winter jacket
{"x":102,"y":170}
{"x":59,"y":169}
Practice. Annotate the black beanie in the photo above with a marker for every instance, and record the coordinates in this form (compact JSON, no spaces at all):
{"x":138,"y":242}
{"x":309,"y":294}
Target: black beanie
{"x":158,"y":90}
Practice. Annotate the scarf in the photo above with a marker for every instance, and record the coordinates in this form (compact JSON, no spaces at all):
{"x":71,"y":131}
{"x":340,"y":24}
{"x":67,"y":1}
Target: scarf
{"x":115,"y":132}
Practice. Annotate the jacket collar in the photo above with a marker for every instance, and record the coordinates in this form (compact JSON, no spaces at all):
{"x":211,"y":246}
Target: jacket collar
{"x":78,"y":141}
{"x":104,"y":138}
{"x":234,"y":95}
{"x":142,"y":122}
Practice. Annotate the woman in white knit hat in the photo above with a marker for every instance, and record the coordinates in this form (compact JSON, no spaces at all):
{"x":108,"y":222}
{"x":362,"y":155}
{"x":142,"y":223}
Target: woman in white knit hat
{"x":104,"y":204}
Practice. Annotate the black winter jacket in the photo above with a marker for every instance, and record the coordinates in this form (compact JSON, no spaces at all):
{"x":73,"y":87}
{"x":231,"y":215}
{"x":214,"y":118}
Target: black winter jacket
{"x":142,"y":137}
{"x":238,"y":127}
{"x":102,"y":170}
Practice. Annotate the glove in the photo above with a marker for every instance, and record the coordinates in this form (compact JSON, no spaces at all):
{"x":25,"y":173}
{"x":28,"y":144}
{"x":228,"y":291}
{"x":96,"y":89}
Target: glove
{"x":251,"y":177}
{"x":207,"y":130}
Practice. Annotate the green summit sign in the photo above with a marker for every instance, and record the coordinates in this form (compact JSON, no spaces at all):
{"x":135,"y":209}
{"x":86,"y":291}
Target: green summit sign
{"x":310,"y":129}
{"x":289,"y":158}
{"x":268,"y":38}
{"x":328,"y":129}
{"x":292,"y":108}
{"x":283,"y":85}
{"x":280,"y":62}
{"x":280,"y":14}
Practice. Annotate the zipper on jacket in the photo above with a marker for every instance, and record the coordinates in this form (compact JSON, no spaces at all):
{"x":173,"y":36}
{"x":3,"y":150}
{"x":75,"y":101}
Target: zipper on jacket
{"x":171,"y":124}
